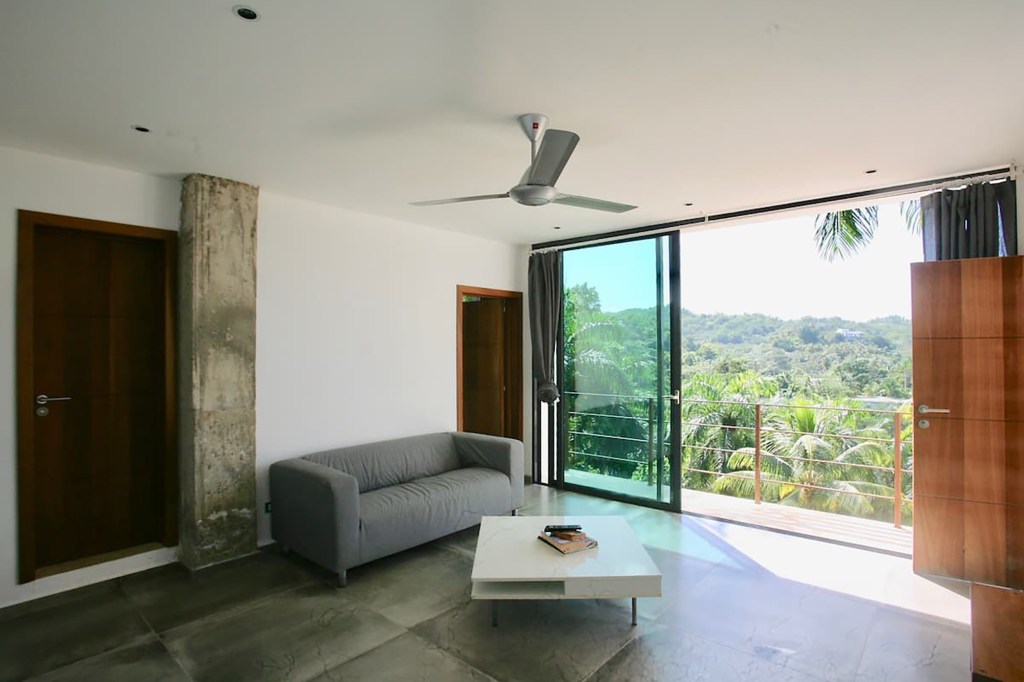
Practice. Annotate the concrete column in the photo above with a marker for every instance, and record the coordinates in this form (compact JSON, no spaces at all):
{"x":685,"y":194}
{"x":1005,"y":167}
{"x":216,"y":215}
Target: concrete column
{"x":217,"y":369}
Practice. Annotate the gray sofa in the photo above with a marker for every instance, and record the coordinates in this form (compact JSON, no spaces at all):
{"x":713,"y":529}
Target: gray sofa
{"x":342,"y":508}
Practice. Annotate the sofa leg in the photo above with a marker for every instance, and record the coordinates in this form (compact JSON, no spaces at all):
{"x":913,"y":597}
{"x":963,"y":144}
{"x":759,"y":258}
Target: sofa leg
{"x":342,"y":578}
{"x":515,"y":512}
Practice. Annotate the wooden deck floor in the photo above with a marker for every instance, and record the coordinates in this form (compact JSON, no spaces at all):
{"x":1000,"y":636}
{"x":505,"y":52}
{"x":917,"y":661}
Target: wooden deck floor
{"x":847,"y":530}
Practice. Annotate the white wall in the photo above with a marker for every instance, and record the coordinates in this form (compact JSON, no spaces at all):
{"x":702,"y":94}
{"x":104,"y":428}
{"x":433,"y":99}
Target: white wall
{"x":355,"y":324}
{"x":355,"y":327}
{"x":52,"y":185}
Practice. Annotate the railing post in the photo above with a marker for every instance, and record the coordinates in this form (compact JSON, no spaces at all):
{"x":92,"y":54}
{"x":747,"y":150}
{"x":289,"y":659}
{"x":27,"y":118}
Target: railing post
{"x":650,"y":441}
{"x":897,"y":460}
{"x":757,"y":453}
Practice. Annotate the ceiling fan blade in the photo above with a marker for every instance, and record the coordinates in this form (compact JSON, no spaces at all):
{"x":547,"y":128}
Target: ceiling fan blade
{"x":459,"y":200}
{"x":555,"y":149}
{"x":587,"y":202}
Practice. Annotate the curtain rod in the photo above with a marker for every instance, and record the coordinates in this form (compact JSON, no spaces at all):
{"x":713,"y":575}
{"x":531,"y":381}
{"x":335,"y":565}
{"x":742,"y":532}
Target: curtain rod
{"x":923,"y":186}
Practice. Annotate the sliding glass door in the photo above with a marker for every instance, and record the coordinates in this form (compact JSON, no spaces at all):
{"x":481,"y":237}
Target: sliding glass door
{"x":620,"y":346}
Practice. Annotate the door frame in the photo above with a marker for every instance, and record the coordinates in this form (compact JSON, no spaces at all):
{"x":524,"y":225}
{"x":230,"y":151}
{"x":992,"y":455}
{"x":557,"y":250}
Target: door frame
{"x":513,"y":350}
{"x":28,"y":221}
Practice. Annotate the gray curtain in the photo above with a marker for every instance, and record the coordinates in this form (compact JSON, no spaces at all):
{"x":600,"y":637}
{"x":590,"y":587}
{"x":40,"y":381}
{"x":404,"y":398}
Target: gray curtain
{"x":545,"y":291}
{"x":978,"y":221}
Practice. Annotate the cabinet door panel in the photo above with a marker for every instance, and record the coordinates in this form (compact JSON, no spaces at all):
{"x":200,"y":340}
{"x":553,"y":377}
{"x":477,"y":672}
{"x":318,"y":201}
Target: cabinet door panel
{"x":938,"y":536}
{"x":936,"y":300}
{"x":1015,"y":546}
{"x":984,"y":379}
{"x":984,"y":461}
{"x":1014,"y":464}
{"x":982,"y":297}
{"x":939,"y":459}
{"x":985,"y":543}
{"x":938,"y":376}
{"x":996,"y":635}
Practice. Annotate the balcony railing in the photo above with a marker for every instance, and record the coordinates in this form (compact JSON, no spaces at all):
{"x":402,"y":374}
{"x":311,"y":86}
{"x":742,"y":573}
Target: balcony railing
{"x":616,"y":432}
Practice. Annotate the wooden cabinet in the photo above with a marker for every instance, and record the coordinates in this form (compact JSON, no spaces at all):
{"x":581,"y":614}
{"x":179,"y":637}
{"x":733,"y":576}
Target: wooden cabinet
{"x":968,"y":329}
{"x":997,"y":633}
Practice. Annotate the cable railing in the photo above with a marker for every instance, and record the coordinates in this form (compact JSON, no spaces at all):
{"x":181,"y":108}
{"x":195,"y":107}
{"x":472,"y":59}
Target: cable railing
{"x":775,"y":444}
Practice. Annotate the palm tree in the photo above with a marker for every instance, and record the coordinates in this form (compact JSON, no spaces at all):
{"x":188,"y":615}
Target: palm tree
{"x":804,"y":469}
{"x":605,"y":432}
{"x":717,"y":418}
{"x":840,"y":234}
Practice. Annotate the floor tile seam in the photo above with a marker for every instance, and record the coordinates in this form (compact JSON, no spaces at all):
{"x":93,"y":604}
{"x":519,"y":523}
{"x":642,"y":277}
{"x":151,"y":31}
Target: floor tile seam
{"x":634,"y":639}
{"x":273,"y":591}
{"x":455,"y":654}
{"x":359,"y":655}
{"x":753,"y":655}
{"x":407,"y":628}
{"x":732,"y":647}
{"x":10,"y":612}
{"x":159,"y":638}
{"x":235,"y":608}
{"x":177,"y":661}
{"x":135,"y":607}
{"x":150,"y":635}
{"x":864,"y":649}
{"x":135,"y":641}
{"x":429,"y":643}
{"x":860,"y":655}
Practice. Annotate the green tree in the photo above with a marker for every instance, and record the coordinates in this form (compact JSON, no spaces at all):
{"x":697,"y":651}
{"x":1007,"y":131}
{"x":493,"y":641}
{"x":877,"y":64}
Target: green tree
{"x":840,"y":234}
{"x":816,"y":459}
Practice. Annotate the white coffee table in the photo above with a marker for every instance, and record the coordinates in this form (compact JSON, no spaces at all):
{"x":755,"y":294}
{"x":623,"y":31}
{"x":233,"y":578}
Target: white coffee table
{"x":511,"y":563}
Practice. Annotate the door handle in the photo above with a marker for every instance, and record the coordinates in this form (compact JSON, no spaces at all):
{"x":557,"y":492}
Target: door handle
{"x":924,"y":409}
{"x":674,"y":397}
{"x":42,"y":399}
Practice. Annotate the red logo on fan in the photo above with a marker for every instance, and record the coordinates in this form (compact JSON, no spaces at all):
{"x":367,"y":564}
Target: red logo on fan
{"x":536,"y":125}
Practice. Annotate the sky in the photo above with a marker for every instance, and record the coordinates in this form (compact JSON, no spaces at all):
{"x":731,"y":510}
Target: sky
{"x":771,"y":268}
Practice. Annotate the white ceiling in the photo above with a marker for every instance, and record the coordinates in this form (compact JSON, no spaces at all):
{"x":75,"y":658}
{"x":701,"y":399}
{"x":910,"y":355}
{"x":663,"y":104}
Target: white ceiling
{"x":370,"y":105}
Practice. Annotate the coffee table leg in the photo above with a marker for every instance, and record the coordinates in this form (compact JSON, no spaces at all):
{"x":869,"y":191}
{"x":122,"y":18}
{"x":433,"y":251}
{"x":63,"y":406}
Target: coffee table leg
{"x":494,"y":613}
{"x":634,"y":611}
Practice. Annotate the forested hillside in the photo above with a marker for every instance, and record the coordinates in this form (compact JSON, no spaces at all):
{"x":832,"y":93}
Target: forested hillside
{"x":810,"y":380}
{"x":827,"y":357}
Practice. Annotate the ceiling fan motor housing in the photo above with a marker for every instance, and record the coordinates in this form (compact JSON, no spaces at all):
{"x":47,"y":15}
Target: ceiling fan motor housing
{"x":534,"y":125}
{"x":533,"y":195}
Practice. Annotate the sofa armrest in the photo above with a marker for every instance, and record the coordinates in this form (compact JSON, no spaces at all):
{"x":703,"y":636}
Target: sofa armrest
{"x":503,"y":454}
{"x":315,"y":511}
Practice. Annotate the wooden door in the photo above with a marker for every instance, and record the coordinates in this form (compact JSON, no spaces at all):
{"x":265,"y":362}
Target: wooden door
{"x":489,"y":352}
{"x":968,"y":351}
{"x":97,"y":469}
{"x":483,"y":366}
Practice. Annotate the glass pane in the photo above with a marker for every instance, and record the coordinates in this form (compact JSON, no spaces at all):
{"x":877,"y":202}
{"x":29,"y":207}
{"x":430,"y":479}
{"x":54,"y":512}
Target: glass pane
{"x":617,"y":353}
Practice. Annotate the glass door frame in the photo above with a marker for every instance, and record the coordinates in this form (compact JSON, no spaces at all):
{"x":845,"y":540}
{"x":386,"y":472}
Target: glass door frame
{"x":674,"y":503}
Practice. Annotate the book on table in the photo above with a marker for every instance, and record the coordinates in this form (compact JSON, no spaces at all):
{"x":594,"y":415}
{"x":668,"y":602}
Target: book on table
{"x":578,"y":543}
{"x":570,"y":535}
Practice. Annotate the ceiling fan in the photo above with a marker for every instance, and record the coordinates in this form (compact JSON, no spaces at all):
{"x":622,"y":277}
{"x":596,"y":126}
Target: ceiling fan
{"x":537,"y":187}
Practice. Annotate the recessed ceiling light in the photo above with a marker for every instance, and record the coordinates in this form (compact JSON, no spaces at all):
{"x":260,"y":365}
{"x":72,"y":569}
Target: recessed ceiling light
{"x":245,"y":12}
{"x":140,"y":129}
{"x":869,"y":172}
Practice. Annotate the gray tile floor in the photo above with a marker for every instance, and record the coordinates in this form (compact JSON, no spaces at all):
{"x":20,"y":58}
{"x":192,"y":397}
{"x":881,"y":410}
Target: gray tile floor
{"x":738,"y":604}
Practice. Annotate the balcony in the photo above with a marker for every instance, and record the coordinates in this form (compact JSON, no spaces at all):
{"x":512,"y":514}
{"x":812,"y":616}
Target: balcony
{"x":837,"y":472}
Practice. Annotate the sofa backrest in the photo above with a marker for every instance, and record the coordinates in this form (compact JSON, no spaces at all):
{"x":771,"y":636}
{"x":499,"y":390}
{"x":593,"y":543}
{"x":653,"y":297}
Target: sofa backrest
{"x":391,"y":462}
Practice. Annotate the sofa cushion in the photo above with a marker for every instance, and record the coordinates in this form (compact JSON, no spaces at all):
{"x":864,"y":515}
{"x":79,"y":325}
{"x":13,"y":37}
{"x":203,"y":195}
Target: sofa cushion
{"x":392,"y":462}
{"x":403,"y":516}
